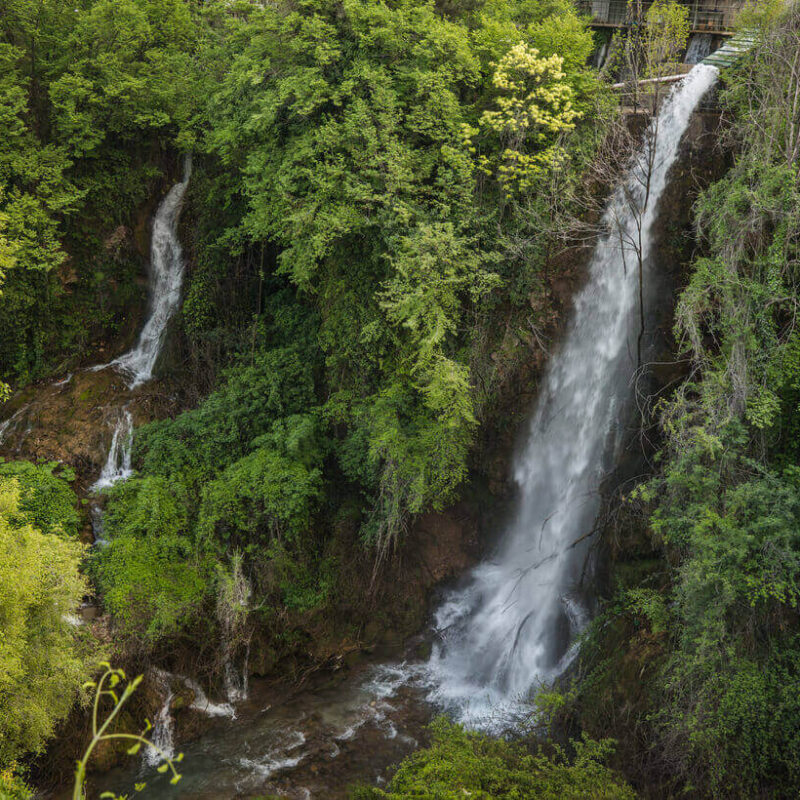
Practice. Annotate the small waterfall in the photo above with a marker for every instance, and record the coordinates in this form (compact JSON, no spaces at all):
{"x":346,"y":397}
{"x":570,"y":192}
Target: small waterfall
{"x":700,"y":46}
{"x":511,"y":626}
{"x":600,"y":55}
{"x":204,"y":705}
{"x":118,"y":462}
{"x":233,"y":603}
{"x":63,"y":381}
{"x":11,"y":423}
{"x":236,"y":684}
{"x":166,"y":265}
{"x":4,"y":426}
{"x":98,"y":531}
{"x":163,"y":734}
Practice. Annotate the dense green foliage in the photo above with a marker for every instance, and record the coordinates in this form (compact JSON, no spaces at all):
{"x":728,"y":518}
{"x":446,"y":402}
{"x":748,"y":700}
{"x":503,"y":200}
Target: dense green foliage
{"x":461,"y":763}
{"x":45,"y":499}
{"x":86,"y":89}
{"x":352,"y":246}
{"x":351,"y":160}
{"x":43,"y":657}
{"x":367,"y":236}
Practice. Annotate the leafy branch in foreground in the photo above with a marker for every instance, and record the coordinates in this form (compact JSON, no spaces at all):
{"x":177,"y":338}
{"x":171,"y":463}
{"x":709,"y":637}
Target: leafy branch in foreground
{"x":105,"y":687}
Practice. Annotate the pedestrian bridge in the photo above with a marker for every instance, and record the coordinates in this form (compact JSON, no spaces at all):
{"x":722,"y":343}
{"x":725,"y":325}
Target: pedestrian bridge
{"x":707,"y":16}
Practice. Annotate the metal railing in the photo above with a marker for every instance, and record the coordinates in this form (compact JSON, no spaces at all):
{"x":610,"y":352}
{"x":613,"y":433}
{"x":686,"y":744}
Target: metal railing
{"x":710,"y":16}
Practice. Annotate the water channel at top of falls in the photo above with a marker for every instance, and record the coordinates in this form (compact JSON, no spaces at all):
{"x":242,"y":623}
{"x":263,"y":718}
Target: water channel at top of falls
{"x":510,"y":624}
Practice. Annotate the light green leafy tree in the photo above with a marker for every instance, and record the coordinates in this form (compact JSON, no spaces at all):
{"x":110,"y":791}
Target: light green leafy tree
{"x":43,"y":657}
{"x":533,"y":104}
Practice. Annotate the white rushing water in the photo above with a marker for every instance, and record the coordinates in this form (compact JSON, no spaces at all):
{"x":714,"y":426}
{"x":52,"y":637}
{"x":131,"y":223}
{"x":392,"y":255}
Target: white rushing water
{"x":166,"y":265}
{"x":166,"y":277}
{"x":9,"y":425}
{"x":118,"y":462}
{"x":700,"y":46}
{"x":163,"y":734}
{"x":510,"y":627}
{"x":204,"y":705}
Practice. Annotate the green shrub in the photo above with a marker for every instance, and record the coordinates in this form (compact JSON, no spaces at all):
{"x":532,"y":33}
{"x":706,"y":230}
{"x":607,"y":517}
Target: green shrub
{"x":46,"y":500}
{"x":12,"y":785}
{"x":460,"y":763}
{"x":154,"y":581}
{"x":43,"y":656}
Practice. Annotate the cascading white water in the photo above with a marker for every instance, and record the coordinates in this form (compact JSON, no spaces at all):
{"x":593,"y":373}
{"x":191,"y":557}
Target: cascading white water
{"x":510,"y":627}
{"x":11,"y":423}
{"x":118,"y":462}
{"x":700,"y":46}
{"x":163,"y":726}
{"x":166,"y":265}
{"x":204,"y":705}
{"x":166,"y":268}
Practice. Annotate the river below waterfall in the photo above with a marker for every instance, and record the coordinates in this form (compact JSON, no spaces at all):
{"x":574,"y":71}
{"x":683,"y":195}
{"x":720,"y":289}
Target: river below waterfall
{"x":340,"y":729}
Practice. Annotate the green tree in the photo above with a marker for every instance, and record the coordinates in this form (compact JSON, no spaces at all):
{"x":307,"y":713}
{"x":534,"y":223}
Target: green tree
{"x":43,"y":657}
{"x":534,"y":104}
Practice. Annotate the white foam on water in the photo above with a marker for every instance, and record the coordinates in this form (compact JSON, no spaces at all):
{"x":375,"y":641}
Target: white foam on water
{"x":204,"y":705}
{"x":278,"y":759}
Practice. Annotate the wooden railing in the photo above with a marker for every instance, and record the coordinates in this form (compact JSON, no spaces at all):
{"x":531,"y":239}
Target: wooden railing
{"x":708,"y":16}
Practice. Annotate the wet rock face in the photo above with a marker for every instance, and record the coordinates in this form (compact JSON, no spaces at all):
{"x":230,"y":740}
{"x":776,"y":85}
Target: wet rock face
{"x":71,"y":420}
{"x":447,"y":543}
{"x":64,"y":422}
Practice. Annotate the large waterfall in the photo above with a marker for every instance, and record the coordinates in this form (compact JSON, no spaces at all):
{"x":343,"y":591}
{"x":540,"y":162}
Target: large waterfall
{"x":509,"y":627}
{"x":166,"y":265}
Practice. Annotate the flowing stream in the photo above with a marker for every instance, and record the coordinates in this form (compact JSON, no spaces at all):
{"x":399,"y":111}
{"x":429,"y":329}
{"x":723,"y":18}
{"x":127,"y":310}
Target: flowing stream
{"x":311,"y":743}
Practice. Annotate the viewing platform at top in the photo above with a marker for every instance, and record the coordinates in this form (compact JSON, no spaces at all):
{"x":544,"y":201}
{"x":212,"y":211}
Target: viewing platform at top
{"x":704,"y":17}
